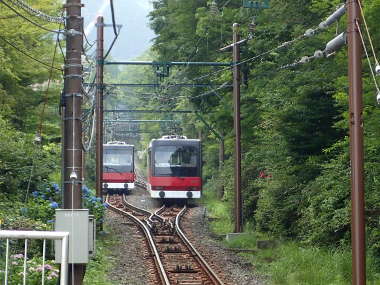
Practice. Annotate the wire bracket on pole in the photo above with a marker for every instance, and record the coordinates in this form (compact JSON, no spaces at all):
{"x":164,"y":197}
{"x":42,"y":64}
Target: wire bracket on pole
{"x":72,"y":65}
{"x":73,"y":33}
{"x":73,"y":95}
{"x":73,"y":76}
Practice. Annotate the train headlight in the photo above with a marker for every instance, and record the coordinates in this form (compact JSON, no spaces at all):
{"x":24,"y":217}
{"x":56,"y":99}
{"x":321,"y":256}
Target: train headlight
{"x":105,"y":185}
{"x":189,"y":194}
{"x":162,"y":194}
{"x":125,"y":185}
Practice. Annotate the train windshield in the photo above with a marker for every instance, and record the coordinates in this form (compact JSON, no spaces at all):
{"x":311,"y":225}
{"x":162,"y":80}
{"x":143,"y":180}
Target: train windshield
{"x":118,"y":160}
{"x":179,"y":161}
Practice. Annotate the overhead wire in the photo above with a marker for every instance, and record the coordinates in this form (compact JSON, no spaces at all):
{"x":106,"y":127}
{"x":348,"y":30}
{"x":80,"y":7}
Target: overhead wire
{"x":40,"y":127}
{"x":368,"y":59}
{"x":29,"y":20}
{"x":113,"y":17}
{"x":46,"y":65}
{"x":369,"y":35}
{"x":37,"y":13}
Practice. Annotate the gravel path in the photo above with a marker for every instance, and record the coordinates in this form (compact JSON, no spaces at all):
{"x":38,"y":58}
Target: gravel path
{"x":132,"y":256}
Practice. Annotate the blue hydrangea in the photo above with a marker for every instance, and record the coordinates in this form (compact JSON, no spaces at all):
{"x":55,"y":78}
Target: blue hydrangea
{"x":35,"y":194}
{"x":56,"y":187}
{"x":85,"y":189}
{"x":54,"y":205}
{"x":98,"y":199}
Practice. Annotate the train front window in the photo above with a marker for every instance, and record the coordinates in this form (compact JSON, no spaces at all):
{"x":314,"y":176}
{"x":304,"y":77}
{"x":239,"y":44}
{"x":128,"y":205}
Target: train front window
{"x":118,"y":160}
{"x":179,"y":161}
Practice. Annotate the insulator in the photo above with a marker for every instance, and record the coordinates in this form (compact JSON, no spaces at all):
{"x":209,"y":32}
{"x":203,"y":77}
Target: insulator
{"x":336,"y":43}
{"x":333,"y":17}
{"x":309,"y":33}
{"x":319,"y":54}
{"x":304,"y":59}
{"x":214,"y":8}
{"x":377,"y":69}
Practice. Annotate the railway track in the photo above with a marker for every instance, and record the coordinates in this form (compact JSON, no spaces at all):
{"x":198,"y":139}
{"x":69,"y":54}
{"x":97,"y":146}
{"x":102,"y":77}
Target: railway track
{"x":176,"y":260}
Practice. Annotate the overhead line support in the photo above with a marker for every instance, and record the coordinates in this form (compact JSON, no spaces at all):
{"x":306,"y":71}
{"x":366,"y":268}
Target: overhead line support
{"x":72,"y":127}
{"x":99,"y":104}
{"x":169,"y":63}
{"x":356,"y":143}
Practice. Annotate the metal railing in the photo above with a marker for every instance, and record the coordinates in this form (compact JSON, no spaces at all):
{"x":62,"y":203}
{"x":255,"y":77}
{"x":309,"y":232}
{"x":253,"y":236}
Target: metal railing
{"x":44,"y":235}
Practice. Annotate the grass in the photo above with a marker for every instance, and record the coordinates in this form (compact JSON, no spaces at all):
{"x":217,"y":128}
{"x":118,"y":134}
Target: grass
{"x":289,"y":263}
{"x":98,"y":267}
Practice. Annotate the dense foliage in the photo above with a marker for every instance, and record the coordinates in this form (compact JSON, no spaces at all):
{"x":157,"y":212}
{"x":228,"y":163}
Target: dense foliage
{"x":296,"y":170}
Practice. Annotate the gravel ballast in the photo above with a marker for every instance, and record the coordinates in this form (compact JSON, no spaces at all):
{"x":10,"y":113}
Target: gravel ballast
{"x":131,"y":258}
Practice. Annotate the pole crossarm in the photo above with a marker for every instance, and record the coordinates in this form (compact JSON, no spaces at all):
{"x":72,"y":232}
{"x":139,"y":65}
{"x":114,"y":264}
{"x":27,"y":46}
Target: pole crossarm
{"x":140,"y":121}
{"x":169,"y":63}
{"x":156,"y":85}
{"x":149,"y":111}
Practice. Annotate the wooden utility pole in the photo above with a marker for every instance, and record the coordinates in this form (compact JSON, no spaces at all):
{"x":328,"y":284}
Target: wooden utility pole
{"x":72,"y":125}
{"x":237,"y":128}
{"x":356,"y":143}
{"x":99,"y":105}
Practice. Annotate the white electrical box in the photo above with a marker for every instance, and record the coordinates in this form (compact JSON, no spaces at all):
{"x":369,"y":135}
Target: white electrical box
{"x":76,"y":223}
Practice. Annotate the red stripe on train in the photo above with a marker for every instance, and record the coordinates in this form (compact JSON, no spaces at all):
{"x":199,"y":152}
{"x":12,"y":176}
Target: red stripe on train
{"x":119,"y":177}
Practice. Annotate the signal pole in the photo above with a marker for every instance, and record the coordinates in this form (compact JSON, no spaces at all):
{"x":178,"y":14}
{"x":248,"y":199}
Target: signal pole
{"x":356,"y":144}
{"x":72,"y":125}
{"x":99,"y":104}
{"x":237,"y":127}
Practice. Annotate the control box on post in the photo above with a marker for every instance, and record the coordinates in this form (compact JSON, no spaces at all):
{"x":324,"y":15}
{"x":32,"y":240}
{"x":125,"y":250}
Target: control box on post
{"x":76,"y":223}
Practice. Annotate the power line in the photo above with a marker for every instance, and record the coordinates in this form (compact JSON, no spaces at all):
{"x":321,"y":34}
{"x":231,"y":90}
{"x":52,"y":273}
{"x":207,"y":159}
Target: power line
{"x":113,"y":18}
{"x":369,"y":61}
{"x":369,"y":36}
{"x":37,"y":13}
{"x":28,"y":55}
{"x":30,"y":21}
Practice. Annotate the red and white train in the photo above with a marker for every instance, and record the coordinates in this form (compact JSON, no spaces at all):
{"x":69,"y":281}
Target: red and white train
{"x":174,"y":168}
{"x":118,"y":168}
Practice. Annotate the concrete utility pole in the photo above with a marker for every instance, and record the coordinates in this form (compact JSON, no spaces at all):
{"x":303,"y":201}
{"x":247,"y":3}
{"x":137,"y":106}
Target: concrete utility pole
{"x":237,"y":128}
{"x":99,"y":105}
{"x":72,"y":141}
{"x":356,"y":144}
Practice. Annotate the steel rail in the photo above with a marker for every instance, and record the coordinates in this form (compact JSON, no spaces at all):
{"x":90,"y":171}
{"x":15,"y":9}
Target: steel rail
{"x":153,"y":248}
{"x":143,"y":211}
{"x":196,"y":254}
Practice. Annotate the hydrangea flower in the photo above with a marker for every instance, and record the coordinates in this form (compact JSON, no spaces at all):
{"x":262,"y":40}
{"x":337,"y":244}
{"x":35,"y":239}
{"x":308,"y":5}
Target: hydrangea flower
{"x":85,"y":189}
{"x":56,"y":187}
{"x":54,"y":205}
{"x":35,"y":194}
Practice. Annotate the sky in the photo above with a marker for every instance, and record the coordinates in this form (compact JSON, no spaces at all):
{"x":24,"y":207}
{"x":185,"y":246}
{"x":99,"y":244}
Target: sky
{"x":135,"y":37}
